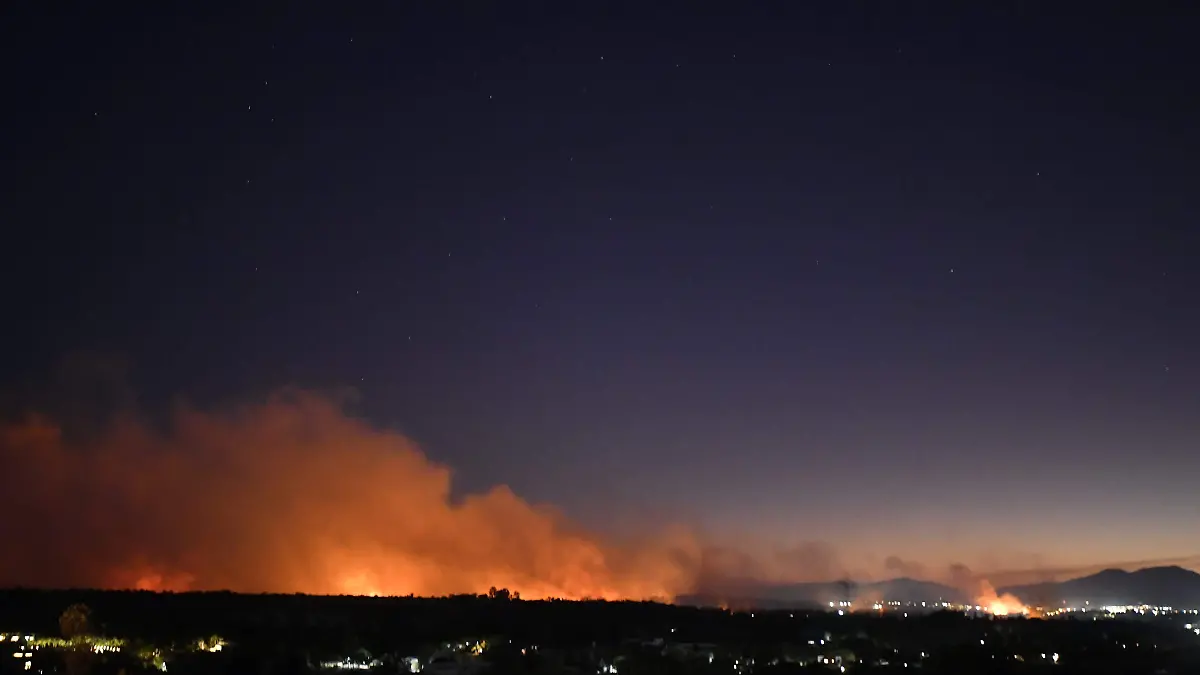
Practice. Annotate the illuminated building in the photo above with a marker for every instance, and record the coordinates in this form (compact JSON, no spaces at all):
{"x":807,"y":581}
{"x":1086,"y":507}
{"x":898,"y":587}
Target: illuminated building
{"x":21,"y":648}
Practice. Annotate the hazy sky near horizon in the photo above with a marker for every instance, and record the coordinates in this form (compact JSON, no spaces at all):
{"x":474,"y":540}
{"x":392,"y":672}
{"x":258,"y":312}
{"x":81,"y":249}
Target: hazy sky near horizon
{"x":906,"y":284}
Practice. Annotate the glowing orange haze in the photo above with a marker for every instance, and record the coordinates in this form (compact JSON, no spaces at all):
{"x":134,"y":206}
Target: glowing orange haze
{"x":1000,"y":605}
{"x":291,"y":496}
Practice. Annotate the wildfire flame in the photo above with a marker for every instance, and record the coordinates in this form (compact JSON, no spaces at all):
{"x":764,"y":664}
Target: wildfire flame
{"x":999,"y":605}
{"x":292,"y":495}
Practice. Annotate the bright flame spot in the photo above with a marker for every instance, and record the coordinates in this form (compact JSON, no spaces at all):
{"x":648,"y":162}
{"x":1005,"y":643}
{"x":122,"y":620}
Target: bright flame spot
{"x":999,"y":605}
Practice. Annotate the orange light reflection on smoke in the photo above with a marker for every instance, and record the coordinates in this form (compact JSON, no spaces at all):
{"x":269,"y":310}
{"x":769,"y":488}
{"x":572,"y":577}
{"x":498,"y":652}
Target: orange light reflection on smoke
{"x":999,"y":605}
{"x":294,"y":495}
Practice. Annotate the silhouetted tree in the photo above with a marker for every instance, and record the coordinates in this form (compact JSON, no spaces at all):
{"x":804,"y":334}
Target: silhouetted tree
{"x":76,"y":623}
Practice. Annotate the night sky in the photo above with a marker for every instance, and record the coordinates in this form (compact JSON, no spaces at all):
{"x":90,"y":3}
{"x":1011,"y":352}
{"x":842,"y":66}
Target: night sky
{"x":899,"y":281}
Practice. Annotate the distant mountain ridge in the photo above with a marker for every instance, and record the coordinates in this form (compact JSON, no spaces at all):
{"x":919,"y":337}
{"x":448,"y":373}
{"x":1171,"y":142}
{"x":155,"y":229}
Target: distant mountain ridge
{"x":1170,"y":586}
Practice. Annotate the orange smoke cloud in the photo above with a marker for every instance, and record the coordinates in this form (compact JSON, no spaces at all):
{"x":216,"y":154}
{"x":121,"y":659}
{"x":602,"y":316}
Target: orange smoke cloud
{"x":291,"y":495}
{"x":1000,"y":605}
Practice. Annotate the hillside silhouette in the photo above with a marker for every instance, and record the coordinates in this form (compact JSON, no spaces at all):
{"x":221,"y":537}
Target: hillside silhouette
{"x":1169,"y":586}
{"x":1166,"y":586}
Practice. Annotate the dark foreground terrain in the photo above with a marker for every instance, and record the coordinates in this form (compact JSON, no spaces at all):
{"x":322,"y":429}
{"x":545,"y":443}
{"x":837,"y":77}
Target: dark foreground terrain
{"x":100,"y":632}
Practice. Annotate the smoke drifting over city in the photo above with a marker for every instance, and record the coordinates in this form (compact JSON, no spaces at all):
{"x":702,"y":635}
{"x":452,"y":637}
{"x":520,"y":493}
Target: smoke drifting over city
{"x":293,"y":495}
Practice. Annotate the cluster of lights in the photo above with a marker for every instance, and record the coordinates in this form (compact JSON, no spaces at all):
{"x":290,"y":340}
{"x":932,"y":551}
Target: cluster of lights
{"x":213,"y":645}
{"x":740,"y":665}
{"x":347,"y":664}
{"x":20,"y":654}
{"x":102,"y":648}
{"x":1114,"y":610}
{"x":473,"y":648}
{"x":476,"y":648}
{"x":1137,"y":609}
{"x":97,"y":645}
{"x":889,"y":605}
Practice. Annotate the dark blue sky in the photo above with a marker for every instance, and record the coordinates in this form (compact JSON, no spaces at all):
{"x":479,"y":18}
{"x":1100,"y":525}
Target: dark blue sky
{"x":904,"y":281}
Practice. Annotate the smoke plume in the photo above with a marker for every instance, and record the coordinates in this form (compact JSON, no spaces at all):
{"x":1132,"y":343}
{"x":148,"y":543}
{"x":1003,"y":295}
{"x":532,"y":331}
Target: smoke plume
{"x":290,"y":495}
{"x":904,"y":568}
{"x":293,"y":495}
{"x":983,"y":594}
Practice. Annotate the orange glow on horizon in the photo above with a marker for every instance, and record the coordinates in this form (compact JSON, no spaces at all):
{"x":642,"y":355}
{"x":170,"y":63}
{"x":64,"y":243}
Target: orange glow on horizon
{"x":999,"y":605}
{"x":292,"y":495}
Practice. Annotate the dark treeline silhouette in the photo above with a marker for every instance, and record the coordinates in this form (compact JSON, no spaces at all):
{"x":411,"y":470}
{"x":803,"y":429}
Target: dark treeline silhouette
{"x":380,"y":622}
{"x":294,"y":632}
